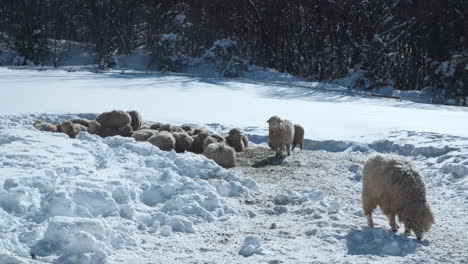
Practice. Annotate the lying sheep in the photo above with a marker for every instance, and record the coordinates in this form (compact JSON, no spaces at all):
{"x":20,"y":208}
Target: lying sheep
{"x":298,"y":136}
{"x":214,"y":138}
{"x":146,"y":127}
{"x":234,"y":139}
{"x":81,"y":121}
{"x":136,"y":122}
{"x":222,"y":154}
{"x":178,"y":129}
{"x":44,"y":126}
{"x":198,"y":142}
{"x":187,"y":128}
{"x":156,"y":126}
{"x":245,"y":140}
{"x":124,"y":131}
{"x":144,"y":134}
{"x":114,"y":119}
{"x":281,"y":134}
{"x":94,"y":128}
{"x":166,"y":127}
{"x":196,"y":131}
{"x":396,"y":186}
{"x":71,"y":129}
{"x":183,"y":142}
{"x":164,"y":141}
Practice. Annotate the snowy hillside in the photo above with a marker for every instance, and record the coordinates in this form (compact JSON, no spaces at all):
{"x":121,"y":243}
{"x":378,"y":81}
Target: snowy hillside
{"x":114,"y":200}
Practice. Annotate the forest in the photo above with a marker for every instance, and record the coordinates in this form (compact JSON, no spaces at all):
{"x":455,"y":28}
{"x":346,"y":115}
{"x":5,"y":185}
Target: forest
{"x":406,"y":44}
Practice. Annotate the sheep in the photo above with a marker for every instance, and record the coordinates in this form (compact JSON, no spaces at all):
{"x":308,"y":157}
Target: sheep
{"x":245,"y":140}
{"x":164,"y":141}
{"x":183,"y":141}
{"x":214,"y":138}
{"x":71,"y":129}
{"x":198,"y":142}
{"x":81,"y":121}
{"x":187,"y":128}
{"x":136,"y":122}
{"x":222,"y":154}
{"x":281,"y":134}
{"x":124,"y":131}
{"x":146,"y":127}
{"x":396,"y":186}
{"x":44,"y":126}
{"x":114,"y":119}
{"x":166,"y":127}
{"x":298,"y":136}
{"x":178,"y":129}
{"x":144,"y":134}
{"x":156,"y":126}
{"x":234,"y":139}
{"x":196,"y":131}
{"x":94,"y":128}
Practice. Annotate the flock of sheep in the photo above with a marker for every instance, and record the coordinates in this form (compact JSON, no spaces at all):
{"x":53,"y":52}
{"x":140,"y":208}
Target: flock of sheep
{"x":389,"y":181}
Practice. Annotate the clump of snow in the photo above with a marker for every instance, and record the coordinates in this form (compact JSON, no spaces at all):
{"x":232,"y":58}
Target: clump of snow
{"x":252,"y":245}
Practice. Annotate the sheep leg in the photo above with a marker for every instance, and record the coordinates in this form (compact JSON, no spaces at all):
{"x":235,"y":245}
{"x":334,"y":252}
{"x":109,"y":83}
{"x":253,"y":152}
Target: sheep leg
{"x":370,"y":221}
{"x":288,"y":149}
{"x":393,"y":223}
{"x":300,"y":145}
{"x":293,"y":146}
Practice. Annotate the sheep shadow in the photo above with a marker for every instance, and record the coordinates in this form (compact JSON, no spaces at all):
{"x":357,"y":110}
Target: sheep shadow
{"x":379,"y":241}
{"x":269,"y":161}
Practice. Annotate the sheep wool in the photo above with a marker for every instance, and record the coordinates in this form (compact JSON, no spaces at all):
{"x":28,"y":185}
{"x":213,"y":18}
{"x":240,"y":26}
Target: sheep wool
{"x":164,"y":141}
{"x":222,"y":154}
{"x":281,"y":134}
{"x":183,"y":142}
{"x":114,"y":119}
{"x":298,"y":136}
{"x":234,"y":139}
{"x":44,"y":126}
{"x":136,"y":122}
{"x":144,"y":134}
{"x":395,"y":185}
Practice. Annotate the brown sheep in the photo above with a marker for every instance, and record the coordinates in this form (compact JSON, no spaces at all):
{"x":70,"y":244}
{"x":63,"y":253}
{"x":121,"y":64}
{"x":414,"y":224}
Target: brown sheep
{"x":114,"y":119}
{"x":44,"y":126}
{"x":81,"y":121}
{"x":222,"y":154}
{"x":156,"y":126}
{"x":281,"y":134}
{"x":213,"y":138}
{"x":245,"y":140}
{"x":198,"y":142}
{"x":396,"y":186}
{"x":144,"y":134}
{"x":71,"y":129}
{"x":298,"y":136}
{"x":234,"y":139}
{"x":94,"y":128}
{"x":137,"y":122}
{"x":183,"y":142}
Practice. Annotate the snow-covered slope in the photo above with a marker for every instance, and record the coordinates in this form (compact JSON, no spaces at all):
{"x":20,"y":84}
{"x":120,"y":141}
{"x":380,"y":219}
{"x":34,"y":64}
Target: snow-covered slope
{"x":114,"y":200}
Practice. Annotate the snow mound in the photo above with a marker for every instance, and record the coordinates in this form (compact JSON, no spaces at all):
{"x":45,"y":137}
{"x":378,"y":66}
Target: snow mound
{"x":377,"y":241}
{"x":81,"y":199}
{"x":252,"y":245}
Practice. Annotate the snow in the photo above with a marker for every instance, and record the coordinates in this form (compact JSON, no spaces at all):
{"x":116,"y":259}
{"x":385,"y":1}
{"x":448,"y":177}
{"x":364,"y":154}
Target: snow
{"x":114,"y":200}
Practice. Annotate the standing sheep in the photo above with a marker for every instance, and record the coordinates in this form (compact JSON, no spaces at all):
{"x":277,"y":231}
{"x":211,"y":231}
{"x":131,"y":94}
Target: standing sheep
{"x":183,"y":142}
{"x":136,"y":122}
{"x":396,"y":186}
{"x":281,"y":134}
{"x":222,"y":154}
{"x":234,"y":139}
{"x":164,"y":141}
{"x":298,"y":136}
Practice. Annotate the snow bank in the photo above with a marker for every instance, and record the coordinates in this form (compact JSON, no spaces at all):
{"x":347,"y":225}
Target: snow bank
{"x":252,"y":245}
{"x":81,"y":199}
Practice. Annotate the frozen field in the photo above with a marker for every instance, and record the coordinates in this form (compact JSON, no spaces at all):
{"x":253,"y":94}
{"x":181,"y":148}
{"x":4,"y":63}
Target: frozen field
{"x":113,"y":200}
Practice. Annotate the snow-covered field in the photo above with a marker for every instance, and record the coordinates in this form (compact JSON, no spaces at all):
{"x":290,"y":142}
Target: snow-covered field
{"x":113,"y":200}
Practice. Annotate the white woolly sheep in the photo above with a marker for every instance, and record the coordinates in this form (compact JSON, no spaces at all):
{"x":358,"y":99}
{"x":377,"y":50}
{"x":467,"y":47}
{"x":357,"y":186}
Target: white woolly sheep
{"x":281,"y":134}
{"x":71,"y":129}
{"x":396,"y":186}
{"x":144,"y":134}
{"x":183,"y":142}
{"x":136,"y":122}
{"x":81,"y":121}
{"x":198,"y":142}
{"x":234,"y":139}
{"x":164,"y":141}
{"x":114,"y":119}
{"x":298,"y":136}
{"x":222,"y":154}
{"x":44,"y":126}
{"x":94,"y":128}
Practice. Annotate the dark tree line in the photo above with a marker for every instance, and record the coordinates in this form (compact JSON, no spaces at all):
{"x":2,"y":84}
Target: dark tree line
{"x":410,"y":44}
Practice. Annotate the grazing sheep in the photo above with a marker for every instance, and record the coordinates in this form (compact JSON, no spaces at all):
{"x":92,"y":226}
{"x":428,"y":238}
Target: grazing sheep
{"x":156,"y":126}
{"x":222,"y":154}
{"x":214,"y":138}
{"x":94,"y":128}
{"x":144,"y":134}
{"x":281,"y":134}
{"x":164,"y":141}
{"x":198,"y":142}
{"x":183,"y":142}
{"x":136,"y":122}
{"x":114,"y":119}
{"x":234,"y":139}
{"x":81,"y":121}
{"x":396,"y":186}
{"x":44,"y":126}
{"x":71,"y":129}
{"x":298,"y":136}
